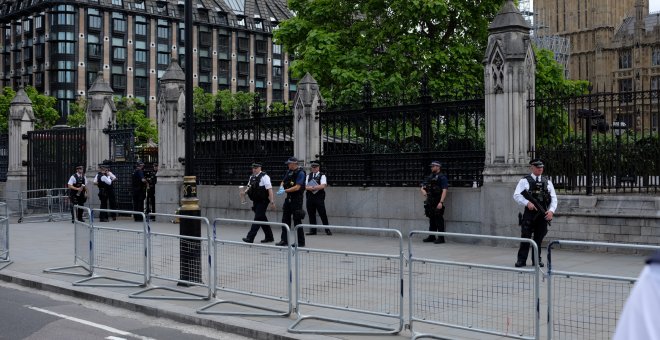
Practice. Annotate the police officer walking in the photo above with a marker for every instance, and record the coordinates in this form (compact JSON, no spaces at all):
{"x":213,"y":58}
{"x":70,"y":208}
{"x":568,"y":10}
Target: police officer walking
{"x":434,"y":188}
{"x":316,"y":184}
{"x":139,"y":185}
{"x":103,"y":180}
{"x":260,"y":191}
{"x":533,"y":223}
{"x":77,"y":191}
{"x":294,"y":187}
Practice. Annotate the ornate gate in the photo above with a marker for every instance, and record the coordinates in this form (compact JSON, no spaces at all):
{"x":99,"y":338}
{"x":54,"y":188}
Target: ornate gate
{"x":53,"y":155}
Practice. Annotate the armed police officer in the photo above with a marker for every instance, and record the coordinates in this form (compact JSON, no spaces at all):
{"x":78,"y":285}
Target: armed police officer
{"x":139,"y":185}
{"x":260,"y":191}
{"x":434,"y":188}
{"x":293,"y":185}
{"x":77,"y":191}
{"x":152,"y":179}
{"x":533,"y":222}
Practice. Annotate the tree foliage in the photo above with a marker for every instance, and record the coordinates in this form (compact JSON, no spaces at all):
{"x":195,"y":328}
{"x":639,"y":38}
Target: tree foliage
{"x":551,"y":118}
{"x":229,"y":105}
{"x":45,"y":114}
{"x":131,"y":112}
{"x":344,"y":43}
{"x":78,"y":115}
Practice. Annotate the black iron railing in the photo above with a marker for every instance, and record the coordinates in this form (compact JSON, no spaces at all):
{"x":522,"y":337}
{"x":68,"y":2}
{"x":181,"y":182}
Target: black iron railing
{"x":4,"y":156}
{"x":53,"y":156}
{"x":600,"y":143}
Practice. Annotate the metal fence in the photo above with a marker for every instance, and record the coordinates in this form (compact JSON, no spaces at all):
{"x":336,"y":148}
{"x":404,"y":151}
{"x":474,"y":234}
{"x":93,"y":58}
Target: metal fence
{"x":4,"y":156}
{"x":53,"y":156}
{"x":44,"y":205}
{"x":352,"y":283}
{"x":250,"y":273}
{"x":185,"y":260}
{"x":82,"y":248}
{"x":476,"y":297}
{"x":585,"y":305}
{"x":4,"y":236}
{"x":602,"y":142}
{"x":117,"y":251}
{"x":392,"y":146}
{"x":225,"y":149}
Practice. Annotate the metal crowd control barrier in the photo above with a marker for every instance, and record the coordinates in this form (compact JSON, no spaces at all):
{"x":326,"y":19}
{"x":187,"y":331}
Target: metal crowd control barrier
{"x":166,"y":263}
{"x":82,"y":241}
{"x":258,"y":271}
{"x":4,"y":236}
{"x":489,"y":299}
{"x":370,"y":284}
{"x":119,"y":250}
{"x":586,"y":305}
{"x":44,"y":205}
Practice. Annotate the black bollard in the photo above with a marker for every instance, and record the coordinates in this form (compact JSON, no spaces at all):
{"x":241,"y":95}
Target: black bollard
{"x":190,"y":251}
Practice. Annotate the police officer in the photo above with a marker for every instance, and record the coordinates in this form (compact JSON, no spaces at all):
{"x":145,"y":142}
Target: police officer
{"x":139,"y":185}
{"x":533,"y":222}
{"x":260,"y":191}
{"x":434,"y":188}
{"x":316,"y":184}
{"x":152,"y":179}
{"x":77,"y":191}
{"x":294,"y":187}
{"x":638,"y":319}
{"x":103,"y":180}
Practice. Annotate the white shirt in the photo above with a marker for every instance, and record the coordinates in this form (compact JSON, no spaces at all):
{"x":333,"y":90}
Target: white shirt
{"x":322,"y":181}
{"x":265,"y":181}
{"x":523,"y":185}
{"x":72,"y":180}
{"x":639,"y":318}
{"x":107,"y":178}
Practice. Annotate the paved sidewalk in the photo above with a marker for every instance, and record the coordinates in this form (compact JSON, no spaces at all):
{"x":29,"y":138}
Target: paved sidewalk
{"x":40,"y":245}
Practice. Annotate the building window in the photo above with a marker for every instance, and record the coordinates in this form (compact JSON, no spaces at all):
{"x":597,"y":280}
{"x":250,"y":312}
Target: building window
{"x":163,"y":59}
{"x":94,"y":46}
{"x":163,"y":32}
{"x":655,"y":88}
{"x":117,"y":2}
{"x":119,"y":53}
{"x":118,"y":23}
{"x":243,"y":68}
{"x":38,"y":22}
{"x":625,"y":85}
{"x":118,"y":77}
{"x":243,"y":44}
{"x":65,"y":77}
{"x":94,"y":19}
{"x":140,"y":29}
{"x":139,"y":5}
{"x":655,"y":56}
{"x":140,"y":56}
{"x":625,"y":59}
{"x":141,"y":86}
{"x":277,"y":49}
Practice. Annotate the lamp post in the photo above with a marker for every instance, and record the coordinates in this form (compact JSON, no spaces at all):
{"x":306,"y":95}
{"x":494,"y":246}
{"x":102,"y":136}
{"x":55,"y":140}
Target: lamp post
{"x":190,"y":249}
{"x":618,"y":127}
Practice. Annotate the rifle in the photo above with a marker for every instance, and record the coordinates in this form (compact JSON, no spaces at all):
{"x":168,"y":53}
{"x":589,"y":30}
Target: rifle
{"x":528,"y":196}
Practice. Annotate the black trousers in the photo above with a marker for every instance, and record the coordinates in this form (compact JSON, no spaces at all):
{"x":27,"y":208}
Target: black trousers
{"x":151,"y":200}
{"x":108,"y":198}
{"x":533,"y":226}
{"x":437,"y":220}
{"x":77,"y":200}
{"x":259,"y":209}
{"x":290,"y":206}
{"x":138,"y":203}
{"x":316,"y":203}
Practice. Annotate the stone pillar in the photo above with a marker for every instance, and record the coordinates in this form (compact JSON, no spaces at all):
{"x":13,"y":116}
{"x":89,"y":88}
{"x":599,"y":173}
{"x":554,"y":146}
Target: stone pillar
{"x":21,"y":121}
{"x":171,"y":145}
{"x":306,"y":107}
{"x":509,"y":75}
{"x":101,"y":110}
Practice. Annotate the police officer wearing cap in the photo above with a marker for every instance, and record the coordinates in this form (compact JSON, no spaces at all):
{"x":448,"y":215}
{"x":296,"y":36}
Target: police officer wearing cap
{"x":103,"y":180}
{"x":316,"y":184}
{"x":434,"y":188}
{"x":77,"y":191}
{"x":534,"y":224}
{"x":639,"y":318}
{"x":260,"y":191}
{"x":139,"y":185}
{"x":293,"y":185}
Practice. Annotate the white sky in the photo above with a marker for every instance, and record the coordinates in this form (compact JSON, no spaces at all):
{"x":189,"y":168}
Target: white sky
{"x":654,"y":5}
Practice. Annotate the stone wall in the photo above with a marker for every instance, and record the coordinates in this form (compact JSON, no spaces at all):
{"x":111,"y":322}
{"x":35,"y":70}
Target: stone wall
{"x":621,"y":219}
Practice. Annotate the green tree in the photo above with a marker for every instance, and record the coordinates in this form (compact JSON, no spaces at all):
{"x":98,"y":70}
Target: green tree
{"x":78,"y":116}
{"x":45,"y":114}
{"x":203,"y":104}
{"x":130,"y":111}
{"x":551,"y":118}
{"x":391,"y":44}
{"x":234,"y":105}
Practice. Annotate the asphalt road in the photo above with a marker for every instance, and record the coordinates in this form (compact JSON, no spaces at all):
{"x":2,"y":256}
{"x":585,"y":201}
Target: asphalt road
{"x":35,"y":315}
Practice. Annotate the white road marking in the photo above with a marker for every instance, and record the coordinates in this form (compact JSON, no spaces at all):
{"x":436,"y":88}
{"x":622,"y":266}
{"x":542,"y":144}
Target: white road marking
{"x":92,"y":324}
{"x":114,"y":338}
